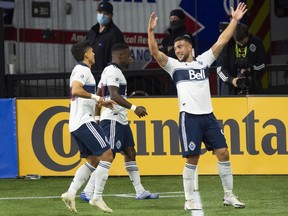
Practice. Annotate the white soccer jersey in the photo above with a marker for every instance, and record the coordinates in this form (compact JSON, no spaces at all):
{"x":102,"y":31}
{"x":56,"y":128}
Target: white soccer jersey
{"x":82,"y":110}
{"x":113,"y":76}
{"x":192,"y":83}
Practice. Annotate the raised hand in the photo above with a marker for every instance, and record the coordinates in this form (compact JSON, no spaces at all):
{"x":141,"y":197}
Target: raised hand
{"x":152,"y":22}
{"x":239,"y":12}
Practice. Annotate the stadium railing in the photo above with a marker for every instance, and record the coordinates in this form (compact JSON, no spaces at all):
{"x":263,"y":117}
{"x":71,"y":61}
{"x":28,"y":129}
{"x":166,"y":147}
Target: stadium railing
{"x":152,"y":82}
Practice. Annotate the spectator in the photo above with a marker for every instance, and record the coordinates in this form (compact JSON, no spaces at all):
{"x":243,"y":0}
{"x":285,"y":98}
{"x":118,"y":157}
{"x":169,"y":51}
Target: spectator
{"x":242,"y":62}
{"x":177,"y":28}
{"x":103,"y":36}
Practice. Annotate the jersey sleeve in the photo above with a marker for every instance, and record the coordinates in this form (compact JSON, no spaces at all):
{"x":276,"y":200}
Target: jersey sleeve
{"x":100,"y":83}
{"x":113,"y":77}
{"x":206,"y":58}
{"x":171,"y":65}
{"x":80,"y":75}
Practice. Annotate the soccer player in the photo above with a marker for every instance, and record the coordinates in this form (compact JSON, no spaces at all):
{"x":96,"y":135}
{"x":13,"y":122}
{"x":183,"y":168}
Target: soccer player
{"x":92,"y":143}
{"x":197,"y":122}
{"x":115,"y":122}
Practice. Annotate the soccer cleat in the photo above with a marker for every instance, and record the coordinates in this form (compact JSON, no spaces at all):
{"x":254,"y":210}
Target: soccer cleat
{"x":84,"y":197}
{"x":69,"y":201}
{"x":99,"y":203}
{"x":147,"y":195}
{"x":191,"y":205}
{"x":231,"y":199}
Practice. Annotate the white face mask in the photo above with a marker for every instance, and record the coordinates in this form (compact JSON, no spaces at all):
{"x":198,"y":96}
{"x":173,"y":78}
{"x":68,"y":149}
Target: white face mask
{"x":102,"y":19}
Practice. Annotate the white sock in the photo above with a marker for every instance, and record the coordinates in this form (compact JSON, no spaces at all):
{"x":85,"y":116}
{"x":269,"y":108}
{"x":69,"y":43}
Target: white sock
{"x":89,"y":188}
{"x":101,"y":176}
{"x":225,"y":173}
{"x":188,"y":180}
{"x":134,"y":175}
{"x":81,"y":175}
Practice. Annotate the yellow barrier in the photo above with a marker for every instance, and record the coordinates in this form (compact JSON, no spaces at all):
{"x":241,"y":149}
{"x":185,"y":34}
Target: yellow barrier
{"x":255,"y":129}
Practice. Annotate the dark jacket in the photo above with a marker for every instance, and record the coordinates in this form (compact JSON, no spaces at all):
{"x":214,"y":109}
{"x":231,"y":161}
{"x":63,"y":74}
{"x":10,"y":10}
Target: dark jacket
{"x":255,"y":59}
{"x":102,"y":44}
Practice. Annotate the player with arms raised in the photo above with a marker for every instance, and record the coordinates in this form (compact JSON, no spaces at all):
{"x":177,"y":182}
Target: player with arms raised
{"x":197,"y":122}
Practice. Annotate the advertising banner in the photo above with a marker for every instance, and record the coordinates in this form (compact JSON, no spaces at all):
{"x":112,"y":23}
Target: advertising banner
{"x":8,"y":141}
{"x":255,"y":129}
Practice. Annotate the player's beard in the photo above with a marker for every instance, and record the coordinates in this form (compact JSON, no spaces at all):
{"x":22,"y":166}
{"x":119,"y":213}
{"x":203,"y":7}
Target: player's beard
{"x":185,"y":57}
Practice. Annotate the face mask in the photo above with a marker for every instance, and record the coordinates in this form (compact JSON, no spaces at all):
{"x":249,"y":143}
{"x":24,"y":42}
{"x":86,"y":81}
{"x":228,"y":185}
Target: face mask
{"x":102,"y":19}
{"x":174,"y":25}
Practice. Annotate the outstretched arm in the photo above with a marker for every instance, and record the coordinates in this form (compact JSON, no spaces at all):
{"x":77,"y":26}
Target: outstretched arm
{"x":78,"y":90}
{"x":227,"y":34}
{"x":159,"y":56}
{"x":140,"y":111}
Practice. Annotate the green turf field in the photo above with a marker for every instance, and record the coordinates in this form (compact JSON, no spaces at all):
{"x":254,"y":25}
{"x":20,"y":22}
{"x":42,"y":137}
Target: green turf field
{"x":263,"y":195}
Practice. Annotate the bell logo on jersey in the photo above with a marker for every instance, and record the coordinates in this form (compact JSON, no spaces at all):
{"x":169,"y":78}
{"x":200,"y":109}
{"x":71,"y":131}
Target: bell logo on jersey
{"x":197,"y":74}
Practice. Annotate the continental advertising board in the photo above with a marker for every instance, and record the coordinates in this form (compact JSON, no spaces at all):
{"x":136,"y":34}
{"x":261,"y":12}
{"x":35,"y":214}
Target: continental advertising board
{"x":255,"y":129}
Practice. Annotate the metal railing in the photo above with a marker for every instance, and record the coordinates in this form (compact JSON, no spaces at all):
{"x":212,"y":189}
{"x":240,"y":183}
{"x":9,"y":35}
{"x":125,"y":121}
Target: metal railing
{"x":277,"y":79}
{"x":141,"y":82}
{"x":153,"y":82}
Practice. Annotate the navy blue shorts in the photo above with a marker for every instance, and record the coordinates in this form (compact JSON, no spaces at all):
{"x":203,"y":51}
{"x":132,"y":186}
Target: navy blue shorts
{"x":90,"y":140}
{"x":195,"y":129}
{"x":120,"y":136}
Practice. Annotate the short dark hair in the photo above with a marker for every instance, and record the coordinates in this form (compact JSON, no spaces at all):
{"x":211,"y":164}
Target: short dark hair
{"x":119,"y":47}
{"x":78,"y":49}
{"x":184,"y":37}
{"x":241,"y":32}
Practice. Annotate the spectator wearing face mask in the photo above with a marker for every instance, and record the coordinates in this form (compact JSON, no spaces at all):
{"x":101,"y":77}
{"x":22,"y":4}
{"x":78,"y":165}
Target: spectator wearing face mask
{"x":103,"y":35}
{"x":177,"y":28}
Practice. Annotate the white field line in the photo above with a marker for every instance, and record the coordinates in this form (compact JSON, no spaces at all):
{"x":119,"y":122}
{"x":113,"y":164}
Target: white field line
{"x":197,"y":199}
{"x":162,"y":195}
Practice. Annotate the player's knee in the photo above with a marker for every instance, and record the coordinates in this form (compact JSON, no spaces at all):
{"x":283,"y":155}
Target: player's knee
{"x":92,"y":160}
{"x":107,"y":156}
{"x":130,"y":154}
{"x":192,"y":159}
{"x":130,"y":158}
{"x":222,"y":154}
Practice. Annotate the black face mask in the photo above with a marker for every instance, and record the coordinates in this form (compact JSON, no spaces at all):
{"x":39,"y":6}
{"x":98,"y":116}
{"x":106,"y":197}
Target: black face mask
{"x":174,"y":25}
